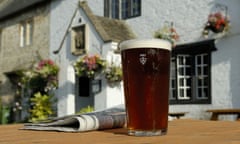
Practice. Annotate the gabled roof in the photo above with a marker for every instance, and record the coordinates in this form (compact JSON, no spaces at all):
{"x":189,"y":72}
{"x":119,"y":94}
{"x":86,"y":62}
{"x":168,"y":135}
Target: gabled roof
{"x":109,"y":29}
{"x":10,"y":7}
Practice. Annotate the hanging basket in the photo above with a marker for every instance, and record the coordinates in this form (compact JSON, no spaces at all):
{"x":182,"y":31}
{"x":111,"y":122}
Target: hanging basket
{"x":216,"y":29}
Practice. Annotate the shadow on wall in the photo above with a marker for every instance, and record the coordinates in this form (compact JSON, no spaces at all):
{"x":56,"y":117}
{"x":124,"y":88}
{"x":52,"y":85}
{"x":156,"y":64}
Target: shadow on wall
{"x":226,"y":60}
{"x":228,"y":53}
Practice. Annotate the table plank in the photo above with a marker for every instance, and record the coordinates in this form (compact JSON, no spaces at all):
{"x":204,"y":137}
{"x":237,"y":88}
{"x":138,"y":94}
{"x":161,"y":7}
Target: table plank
{"x":180,"y":131}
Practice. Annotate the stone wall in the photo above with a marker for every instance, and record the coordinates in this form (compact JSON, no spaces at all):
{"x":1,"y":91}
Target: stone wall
{"x":12,"y":56}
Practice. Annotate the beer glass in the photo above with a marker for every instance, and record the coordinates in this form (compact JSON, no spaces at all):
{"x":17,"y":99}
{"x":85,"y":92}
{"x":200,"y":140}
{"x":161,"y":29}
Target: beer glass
{"x":146,"y":68}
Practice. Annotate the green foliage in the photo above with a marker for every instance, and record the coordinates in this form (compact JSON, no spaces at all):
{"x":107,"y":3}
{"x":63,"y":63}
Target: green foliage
{"x":42,"y":107}
{"x":86,"y":110}
{"x":113,"y":73}
{"x":42,"y":77}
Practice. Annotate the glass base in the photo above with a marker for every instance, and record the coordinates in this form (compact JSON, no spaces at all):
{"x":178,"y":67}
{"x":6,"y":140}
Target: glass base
{"x":147,"y":133}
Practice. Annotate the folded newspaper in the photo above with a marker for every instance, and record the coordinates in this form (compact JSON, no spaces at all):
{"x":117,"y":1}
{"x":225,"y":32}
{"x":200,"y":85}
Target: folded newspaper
{"x":110,"y":118}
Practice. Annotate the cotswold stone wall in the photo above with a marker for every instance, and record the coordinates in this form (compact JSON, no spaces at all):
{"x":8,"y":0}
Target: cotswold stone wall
{"x":12,"y":56}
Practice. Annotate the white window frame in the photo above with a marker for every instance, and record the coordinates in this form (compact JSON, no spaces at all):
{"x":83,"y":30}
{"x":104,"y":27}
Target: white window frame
{"x":183,"y":88}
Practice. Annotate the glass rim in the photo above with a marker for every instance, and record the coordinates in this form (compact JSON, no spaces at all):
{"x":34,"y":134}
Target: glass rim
{"x":145,"y":43}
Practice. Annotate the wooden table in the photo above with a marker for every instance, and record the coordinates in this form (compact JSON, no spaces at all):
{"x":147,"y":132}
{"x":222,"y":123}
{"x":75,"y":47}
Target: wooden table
{"x":217,"y":112}
{"x":180,"y":131}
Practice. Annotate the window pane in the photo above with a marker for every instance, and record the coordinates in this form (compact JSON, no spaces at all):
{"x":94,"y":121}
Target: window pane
{"x":199,"y":60}
{"x":125,"y":9}
{"x":173,"y":94}
{"x":189,"y":93}
{"x":205,"y":70}
{"x":181,"y":94}
{"x":199,"y":70}
{"x":189,"y":82}
{"x":205,"y":59}
{"x":205,"y":92}
{"x":136,"y":7}
{"x":181,"y":71}
{"x":107,"y":8}
{"x":206,"y":81}
{"x":180,"y":60}
{"x":188,"y":61}
{"x":29,"y":32}
{"x":173,"y":83}
{"x":181,"y":82}
{"x":173,"y":69}
{"x":173,"y":79}
{"x":199,"y":81}
{"x":188,"y":71}
{"x":115,"y":9}
{"x":22,"y":34}
{"x":199,"y":92}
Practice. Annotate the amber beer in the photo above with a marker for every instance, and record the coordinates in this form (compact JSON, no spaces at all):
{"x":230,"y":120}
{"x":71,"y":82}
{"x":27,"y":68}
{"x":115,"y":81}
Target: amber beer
{"x":146,"y":68}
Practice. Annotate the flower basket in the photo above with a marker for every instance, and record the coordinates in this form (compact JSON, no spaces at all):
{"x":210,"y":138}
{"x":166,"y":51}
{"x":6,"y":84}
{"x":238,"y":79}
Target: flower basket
{"x":48,"y":71}
{"x":43,"y":77}
{"x":167,"y":32}
{"x":217,"y":23}
{"x":89,"y":66}
{"x":113,"y":74}
{"x":47,"y":68}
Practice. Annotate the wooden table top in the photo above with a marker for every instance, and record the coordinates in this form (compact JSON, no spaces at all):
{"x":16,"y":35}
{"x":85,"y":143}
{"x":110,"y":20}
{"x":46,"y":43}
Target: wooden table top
{"x":182,"y":131}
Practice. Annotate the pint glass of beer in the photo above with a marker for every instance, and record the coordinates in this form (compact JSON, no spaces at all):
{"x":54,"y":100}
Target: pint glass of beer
{"x":146,"y":68}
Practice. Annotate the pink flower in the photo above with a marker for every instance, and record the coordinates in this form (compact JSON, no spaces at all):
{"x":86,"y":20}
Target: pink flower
{"x":91,"y":62}
{"x":44,"y":63}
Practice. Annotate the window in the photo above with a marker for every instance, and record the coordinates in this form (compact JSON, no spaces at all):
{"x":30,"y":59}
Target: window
{"x":122,"y":9}
{"x":191,"y":73}
{"x":26,"y":33}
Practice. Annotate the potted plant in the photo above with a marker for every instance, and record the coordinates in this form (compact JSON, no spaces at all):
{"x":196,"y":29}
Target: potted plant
{"x":89,"y":66}
{"x":217,"y":23}
{"x":41,"y":78}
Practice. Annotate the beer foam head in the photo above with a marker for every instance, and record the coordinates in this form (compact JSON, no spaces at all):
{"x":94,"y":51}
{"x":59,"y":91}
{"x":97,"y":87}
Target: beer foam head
{"x":145,"y":43}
